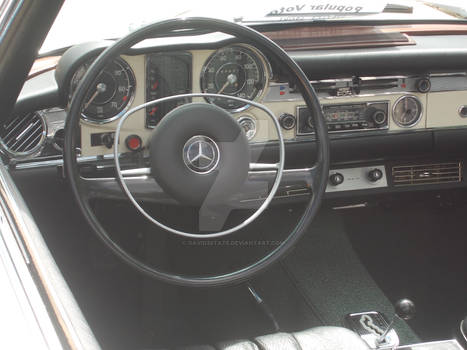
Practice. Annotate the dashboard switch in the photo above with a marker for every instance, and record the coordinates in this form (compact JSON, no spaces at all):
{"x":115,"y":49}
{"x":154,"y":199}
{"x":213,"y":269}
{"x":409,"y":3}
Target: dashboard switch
{"x":107,"y":139}
{"x":375,"y":175}
{"x":424,"y":85}
{"x":336,"y":179}
{"x":287,"y":121}
{"x":134,"y":143}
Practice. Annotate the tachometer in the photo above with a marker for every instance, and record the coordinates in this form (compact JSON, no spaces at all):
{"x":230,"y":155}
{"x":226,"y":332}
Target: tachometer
{"x":236,"y":71}
{"x":110,"y":94}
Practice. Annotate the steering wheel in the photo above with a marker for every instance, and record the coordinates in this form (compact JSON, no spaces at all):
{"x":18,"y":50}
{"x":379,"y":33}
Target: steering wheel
{"x":199,"y":151}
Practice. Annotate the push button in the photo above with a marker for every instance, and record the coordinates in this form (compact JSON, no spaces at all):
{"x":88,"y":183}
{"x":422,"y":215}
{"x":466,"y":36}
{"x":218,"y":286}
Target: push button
{"x":134,"y":143}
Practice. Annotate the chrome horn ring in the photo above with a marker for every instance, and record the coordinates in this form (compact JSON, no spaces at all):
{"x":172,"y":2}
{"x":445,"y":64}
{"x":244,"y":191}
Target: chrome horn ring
{"x":250,"y":219}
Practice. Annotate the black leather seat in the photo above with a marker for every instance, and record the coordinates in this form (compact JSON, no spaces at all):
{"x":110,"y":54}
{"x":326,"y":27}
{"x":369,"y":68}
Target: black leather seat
{"x":319,"y":338}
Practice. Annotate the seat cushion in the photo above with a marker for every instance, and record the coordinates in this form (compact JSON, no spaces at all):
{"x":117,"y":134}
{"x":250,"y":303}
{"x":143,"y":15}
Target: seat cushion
{"x":319,"y":338}
{"x":238,"y":345}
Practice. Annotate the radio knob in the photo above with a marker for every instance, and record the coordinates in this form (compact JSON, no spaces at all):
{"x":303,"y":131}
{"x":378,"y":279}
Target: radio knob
{"x":336,"y":179}
{"x":375,"y":175}
{"x":379,"y":117}
{"x":287,"y":121}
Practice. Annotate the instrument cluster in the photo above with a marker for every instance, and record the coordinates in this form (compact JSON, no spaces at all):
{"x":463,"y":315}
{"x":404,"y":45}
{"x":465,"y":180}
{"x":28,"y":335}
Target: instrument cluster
{"x":238,"y":71}
{"x":111,"y":94}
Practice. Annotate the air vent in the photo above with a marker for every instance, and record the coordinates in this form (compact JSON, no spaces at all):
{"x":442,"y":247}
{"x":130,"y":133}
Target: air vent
{"x":380,"y":83}
{"x":425,"y":174}
{"x":24,"y":135}
{"x":325,"y":86}
{"x":357,"y":85}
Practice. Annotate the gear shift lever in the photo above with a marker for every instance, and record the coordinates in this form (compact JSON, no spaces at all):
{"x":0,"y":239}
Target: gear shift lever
{"x":405,"y":310}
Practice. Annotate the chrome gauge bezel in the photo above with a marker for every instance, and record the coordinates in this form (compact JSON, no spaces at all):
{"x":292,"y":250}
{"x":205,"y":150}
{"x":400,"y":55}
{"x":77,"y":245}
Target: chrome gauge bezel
{"x":420,"y":114}
{"x":253,"y":122}
{"x":131,"y":98}
{"x":266,"y":67}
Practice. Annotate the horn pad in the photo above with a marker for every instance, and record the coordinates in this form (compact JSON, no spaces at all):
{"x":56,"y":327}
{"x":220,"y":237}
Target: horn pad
{"x":199,"y":153}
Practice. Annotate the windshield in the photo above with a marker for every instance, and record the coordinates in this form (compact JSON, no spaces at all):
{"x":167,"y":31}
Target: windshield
{"x":89,"y":20}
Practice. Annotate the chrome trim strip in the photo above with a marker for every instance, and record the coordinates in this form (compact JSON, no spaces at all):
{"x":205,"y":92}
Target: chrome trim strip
{"x":10,"y":14}
{"x":409,"y":81}
{"x":65,"y":308}
{"x":462,"y":330}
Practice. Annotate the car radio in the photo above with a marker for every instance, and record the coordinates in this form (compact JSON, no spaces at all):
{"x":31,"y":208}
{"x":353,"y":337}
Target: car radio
{"x":346,"y":117}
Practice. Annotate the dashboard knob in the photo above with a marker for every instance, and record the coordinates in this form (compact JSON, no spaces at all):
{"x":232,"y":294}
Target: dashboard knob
{"x":287,"y":121}
{"x":336,"y":179}
{"x":375,"y":175}
{"x":405,"y":309}
{"x":424,"y":85}
{"x":379,"y":117}
{"x":108,"y":140}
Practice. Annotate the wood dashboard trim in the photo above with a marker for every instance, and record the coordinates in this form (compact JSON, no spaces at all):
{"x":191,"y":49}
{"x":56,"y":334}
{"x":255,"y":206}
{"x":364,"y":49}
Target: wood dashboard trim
{"x":42,"y":65}
{"x":357,"y":36}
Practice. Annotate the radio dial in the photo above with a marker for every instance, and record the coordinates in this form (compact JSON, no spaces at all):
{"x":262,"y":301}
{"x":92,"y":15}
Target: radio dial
{"x":336,"y":179}
{"x":379,"y":117}
{"x":375,"y":175}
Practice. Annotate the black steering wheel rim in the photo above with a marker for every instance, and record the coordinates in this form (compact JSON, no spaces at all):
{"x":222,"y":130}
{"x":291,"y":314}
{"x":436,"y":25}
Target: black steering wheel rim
{"x":321,"y":167}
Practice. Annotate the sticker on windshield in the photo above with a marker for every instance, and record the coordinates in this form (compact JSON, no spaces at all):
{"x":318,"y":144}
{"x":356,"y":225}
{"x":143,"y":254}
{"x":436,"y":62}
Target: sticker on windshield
{"x":325,"y":8}
{"x":283,"y":10}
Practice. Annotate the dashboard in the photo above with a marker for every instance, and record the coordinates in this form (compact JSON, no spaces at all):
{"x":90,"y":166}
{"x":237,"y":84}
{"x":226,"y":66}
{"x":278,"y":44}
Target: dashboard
{"x":391,"y":124}
{"x":383,"y":104}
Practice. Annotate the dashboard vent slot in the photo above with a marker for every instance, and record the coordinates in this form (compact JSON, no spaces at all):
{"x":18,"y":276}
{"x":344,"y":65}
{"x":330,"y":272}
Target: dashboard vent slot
{"x":356,"y":85}
{"x":324,"y":86}
{"x":24,"y":135}
{"x":425,"y":174}
{"x":379,"y":83}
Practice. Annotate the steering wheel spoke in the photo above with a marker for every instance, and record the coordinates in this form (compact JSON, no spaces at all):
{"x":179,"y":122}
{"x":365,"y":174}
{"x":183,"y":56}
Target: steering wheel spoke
{"x":136,"y":172}
{"x":264,"y":166}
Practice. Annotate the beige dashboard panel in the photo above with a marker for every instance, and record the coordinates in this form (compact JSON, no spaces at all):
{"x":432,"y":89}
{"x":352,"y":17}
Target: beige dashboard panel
{"x":443,"y":109}
{"x":266,"y":131}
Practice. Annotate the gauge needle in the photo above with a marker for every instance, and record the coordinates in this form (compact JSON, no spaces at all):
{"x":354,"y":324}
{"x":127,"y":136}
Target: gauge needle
{"x":231,"y":79}
{"x":100,"y":88}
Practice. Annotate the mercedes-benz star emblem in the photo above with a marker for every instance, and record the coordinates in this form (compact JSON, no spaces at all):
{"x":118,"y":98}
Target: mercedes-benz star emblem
{"x":201,"y":154}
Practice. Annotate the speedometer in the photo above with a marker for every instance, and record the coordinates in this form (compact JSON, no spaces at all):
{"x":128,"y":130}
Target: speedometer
{"x":236,"y":71}
{"x":110,"y":94}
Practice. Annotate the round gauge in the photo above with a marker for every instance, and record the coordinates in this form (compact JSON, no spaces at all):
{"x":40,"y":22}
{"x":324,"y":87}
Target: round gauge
{"x":248,"y":125}
{"x":110,"y":94}
{"x":236,"y":71}
{"x":407,"y":111}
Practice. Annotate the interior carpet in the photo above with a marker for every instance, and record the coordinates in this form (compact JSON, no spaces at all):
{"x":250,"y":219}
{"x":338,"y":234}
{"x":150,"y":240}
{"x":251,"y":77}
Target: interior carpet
{"x":417,"y":251}
{"x":331,"y":277}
